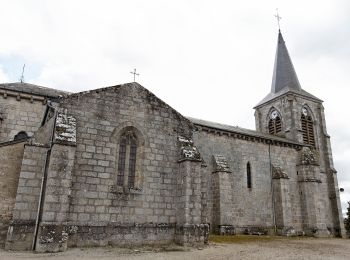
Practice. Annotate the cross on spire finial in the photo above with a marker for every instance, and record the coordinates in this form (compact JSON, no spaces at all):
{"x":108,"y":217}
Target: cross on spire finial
{"x":135,"y":74}
{"x":278,"y":17}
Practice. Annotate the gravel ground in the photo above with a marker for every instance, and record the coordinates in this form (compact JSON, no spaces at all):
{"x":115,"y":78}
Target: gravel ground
{"x":256,"y":248}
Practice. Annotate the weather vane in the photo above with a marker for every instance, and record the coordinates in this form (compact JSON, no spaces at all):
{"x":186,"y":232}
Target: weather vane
{"x":278,"y":17}
{"x":135,"y":74}
{"x":21,"y":79}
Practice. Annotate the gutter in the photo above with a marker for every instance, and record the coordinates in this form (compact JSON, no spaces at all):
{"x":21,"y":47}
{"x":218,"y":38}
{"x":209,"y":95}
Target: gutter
{"x":272,"y":193}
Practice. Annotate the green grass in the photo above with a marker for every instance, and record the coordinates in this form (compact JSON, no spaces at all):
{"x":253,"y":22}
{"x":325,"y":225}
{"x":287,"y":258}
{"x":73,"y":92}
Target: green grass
{"x":239,"y":239}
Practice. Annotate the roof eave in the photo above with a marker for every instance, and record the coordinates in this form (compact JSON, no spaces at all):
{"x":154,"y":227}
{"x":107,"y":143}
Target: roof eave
{"x":274,"y":96}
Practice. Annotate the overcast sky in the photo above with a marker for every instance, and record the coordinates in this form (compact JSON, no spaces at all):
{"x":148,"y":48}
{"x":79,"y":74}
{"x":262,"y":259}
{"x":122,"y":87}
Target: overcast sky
{"x":208,"y":59}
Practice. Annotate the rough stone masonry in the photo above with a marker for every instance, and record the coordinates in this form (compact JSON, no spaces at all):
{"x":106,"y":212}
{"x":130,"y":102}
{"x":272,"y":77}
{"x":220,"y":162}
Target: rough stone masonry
{"x":118,"y":166}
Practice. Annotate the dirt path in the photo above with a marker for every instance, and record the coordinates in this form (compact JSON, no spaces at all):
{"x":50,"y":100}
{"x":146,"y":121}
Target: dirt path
{"x":276,"y":248}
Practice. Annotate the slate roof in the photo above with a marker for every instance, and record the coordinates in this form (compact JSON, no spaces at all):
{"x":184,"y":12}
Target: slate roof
{"x":284,"y":79}
{"x":240,"y":130}
{"x":33,"y":89}
{"x":284,"y":74}
{"x":286,"y":90}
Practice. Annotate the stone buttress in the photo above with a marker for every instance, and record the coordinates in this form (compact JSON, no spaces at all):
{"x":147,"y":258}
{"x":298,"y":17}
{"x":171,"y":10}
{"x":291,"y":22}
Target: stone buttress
{"x":189,"y":226}
{"x":282,"y":204}
{"x":222,"y":196}
{"x":42,"y":202}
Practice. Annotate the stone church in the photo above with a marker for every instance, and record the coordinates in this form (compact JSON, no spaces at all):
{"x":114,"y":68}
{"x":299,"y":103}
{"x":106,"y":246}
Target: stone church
{"x":118,"y":166}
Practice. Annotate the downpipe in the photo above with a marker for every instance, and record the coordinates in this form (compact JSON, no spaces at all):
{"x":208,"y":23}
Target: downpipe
{"x":43,"y":181}
{"x":272,"y":193}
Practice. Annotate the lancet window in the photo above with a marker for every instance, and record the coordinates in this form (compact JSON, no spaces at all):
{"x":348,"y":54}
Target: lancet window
{"x":249,"y":176}
{"x":127,"y":159}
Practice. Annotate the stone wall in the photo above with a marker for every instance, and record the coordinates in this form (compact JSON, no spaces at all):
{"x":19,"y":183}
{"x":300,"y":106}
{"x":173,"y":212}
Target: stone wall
{"x":21,"y":230}
{"x":118,"y":234}
{"x":96,"y":199}
{"x":250,"y":208}
{"x":290,"y":108}
{"x":10,"y":161}
{"x":56,"y":201}
{"x":189,"y":227}
{"x":183,"y":181}
{"x":20,"y":112}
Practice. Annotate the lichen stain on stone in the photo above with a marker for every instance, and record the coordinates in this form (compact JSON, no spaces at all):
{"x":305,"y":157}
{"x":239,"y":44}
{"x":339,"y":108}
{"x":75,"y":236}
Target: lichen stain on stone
{"x":220,"y":163}
{"x":65,"y":130}
{"x":188,"y":150}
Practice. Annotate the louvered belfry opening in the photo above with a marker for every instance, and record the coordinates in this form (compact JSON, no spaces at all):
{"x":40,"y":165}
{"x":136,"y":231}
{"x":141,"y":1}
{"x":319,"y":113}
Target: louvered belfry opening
{"x":307,"y":128}
{"x":275,"y":125}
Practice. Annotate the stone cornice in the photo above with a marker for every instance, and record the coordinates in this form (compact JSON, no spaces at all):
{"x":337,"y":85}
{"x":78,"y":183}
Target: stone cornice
{"x":21,"y":95}
{"x":249,"y":137}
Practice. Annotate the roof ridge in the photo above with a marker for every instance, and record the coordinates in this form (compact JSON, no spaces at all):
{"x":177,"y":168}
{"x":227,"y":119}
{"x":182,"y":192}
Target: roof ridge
{"x":33,"y":89}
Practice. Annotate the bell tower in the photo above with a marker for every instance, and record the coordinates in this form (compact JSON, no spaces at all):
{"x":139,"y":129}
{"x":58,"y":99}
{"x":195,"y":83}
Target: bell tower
{"x":290,"y":112}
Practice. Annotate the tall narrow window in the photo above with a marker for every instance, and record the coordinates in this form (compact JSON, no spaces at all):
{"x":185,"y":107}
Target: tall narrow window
{"x":132,"y":163}
{"x":121,"y":161}
{"x":249,"y":176}
{"x":275,"y":124}
{"x":307,"y":127}
{"x":127,"y":159}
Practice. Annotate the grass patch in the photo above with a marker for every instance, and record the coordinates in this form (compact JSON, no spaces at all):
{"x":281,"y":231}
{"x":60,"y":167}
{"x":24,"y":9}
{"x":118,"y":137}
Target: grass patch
{"x":239,"y":239}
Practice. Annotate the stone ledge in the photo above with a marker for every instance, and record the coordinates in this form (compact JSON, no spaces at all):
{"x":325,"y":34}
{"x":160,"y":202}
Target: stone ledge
{"x":124,"y":190}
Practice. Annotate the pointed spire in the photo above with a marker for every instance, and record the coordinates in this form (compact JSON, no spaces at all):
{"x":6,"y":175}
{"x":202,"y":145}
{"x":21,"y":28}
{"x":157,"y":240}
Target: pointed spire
{"x":284,"y":79}
{"x":284,"y":75}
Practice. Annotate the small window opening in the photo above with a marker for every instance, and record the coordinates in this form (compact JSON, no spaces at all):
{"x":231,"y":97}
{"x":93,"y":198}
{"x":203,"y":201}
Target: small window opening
{"x":21,"y":136}
{"x":249,"y":176}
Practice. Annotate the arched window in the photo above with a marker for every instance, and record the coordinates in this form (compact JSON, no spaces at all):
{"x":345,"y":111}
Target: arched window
{"x":249,"y":176}
{"x":275,"y":124}
{"x":127,"y":159}
{"x":307,"y":127}
{"x":21,"y":136}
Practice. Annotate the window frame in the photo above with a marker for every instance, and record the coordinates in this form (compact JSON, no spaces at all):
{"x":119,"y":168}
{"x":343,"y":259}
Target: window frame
{"x":132,"y":176}
{"x":307,"y":127}
{"x":274,"y":125}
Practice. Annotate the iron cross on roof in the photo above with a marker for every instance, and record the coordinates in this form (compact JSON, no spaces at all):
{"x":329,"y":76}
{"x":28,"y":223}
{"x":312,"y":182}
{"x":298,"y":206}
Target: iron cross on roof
{"x":135,"y":74}
{"x":278,"y":17}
